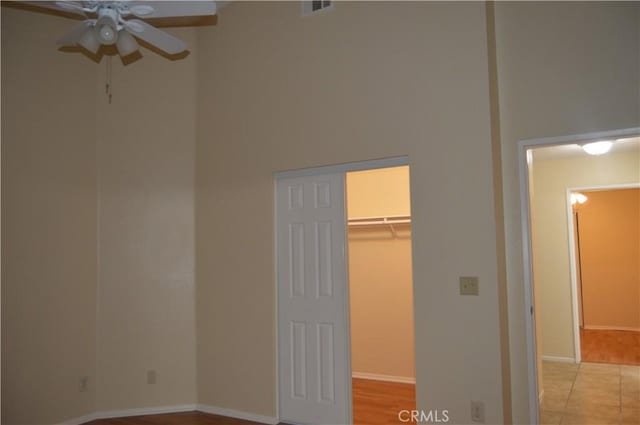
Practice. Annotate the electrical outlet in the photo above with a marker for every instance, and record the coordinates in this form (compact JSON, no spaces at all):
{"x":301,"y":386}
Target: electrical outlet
{"x":477,"y":411}
{"x":469,"y":285}
{"x":83,"y":384}
{"x":151,"y":376}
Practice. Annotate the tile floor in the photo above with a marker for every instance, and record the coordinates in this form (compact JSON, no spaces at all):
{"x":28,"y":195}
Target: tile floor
{"x":590,"y":393}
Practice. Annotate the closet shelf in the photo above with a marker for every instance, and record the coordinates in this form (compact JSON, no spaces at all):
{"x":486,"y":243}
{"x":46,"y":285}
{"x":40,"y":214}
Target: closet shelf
{"x":374,"y":221}
{"x":381,"y":221}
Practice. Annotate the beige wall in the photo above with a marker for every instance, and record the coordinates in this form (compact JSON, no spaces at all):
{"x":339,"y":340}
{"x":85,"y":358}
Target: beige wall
{"x":381,"y":192}
{"x":381,"y":299}
{"x":609,"y":226}
{"x":48,"y":223}
{"x":562,"y":68}
{"x":276,"y":92}
{"x":95,"y":253}
{"x":380,"y":280}
{"x":367,"y":80}
{"x":146,"y":311}
{"x":552,"y":267}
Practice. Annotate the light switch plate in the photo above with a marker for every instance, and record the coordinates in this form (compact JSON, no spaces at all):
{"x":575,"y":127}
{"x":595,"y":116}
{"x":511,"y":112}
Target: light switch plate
{"x":469,"y":285}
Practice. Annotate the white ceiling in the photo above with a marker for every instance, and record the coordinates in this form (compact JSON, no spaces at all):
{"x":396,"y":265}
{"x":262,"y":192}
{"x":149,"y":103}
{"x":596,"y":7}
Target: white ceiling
{"x":631,"y":144}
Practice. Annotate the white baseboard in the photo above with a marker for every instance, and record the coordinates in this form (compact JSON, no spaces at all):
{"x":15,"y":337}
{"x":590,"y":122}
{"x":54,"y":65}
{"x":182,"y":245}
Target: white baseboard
{"x":385,"y":378}
{"x":236,"y":414}
{"x":106,"y":414}
{"x":611,"y":328}
{"x":171,"y":409}
{"x":145,"y":411}
{"x":79,"y":420}
{"x":558,"y":359}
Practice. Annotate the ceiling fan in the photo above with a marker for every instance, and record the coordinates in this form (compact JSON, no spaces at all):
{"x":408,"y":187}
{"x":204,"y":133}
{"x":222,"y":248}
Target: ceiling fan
{"x":112,"y":22}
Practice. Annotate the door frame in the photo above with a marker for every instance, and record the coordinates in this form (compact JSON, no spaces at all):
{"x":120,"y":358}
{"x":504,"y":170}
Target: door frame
{"x":315,"y":171}
{"x":525,"y":220}
{"x":573,"y":255}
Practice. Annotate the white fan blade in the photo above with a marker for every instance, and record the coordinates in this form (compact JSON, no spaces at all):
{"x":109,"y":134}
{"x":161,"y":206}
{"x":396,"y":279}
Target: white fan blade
{"x":72,"y":37}
{"x":166,"y":9}
{"x":70,"y":6}
{"x":74,"y":7}
{"x":154,"y":36}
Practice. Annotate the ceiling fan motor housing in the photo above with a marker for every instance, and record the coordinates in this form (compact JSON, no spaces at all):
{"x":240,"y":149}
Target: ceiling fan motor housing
{"x":107,"y":25}
{"x":109,"y":22}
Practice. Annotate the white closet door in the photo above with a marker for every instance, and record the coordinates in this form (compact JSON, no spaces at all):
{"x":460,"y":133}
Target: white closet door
{"x":313,"y":346}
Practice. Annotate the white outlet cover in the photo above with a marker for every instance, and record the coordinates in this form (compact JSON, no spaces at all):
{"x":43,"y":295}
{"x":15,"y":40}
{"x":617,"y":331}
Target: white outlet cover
{"x":477,"y":411}
{"x":151,"y":377}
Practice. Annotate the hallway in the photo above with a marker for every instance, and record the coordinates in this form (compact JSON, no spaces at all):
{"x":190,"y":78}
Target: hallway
{"x":590,"y":393}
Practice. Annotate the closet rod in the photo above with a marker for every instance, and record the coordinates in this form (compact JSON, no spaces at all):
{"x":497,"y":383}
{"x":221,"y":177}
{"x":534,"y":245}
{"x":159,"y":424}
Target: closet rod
{"x":383,"y":220}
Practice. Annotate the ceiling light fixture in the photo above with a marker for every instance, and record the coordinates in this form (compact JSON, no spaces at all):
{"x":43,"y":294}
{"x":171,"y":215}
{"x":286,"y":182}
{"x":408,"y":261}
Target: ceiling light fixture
{"x":578,"y":198}
{"x":629,"y":139}
{"x":89,"y":40}
{"x":107,"y":25}
{"x":126,"y":43}
{"x":107,"y":34}
{"x":597,"y":148}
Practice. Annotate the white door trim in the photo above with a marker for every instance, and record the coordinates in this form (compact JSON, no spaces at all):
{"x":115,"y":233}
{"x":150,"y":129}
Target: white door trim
{"x":523,"y":147}
{"x":572,"y":256}
{"x":345,"y":167}
{"x":314,"y":171}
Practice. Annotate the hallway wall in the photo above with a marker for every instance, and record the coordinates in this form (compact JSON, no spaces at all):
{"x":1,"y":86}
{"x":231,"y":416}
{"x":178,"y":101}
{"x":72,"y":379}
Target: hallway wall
{"x":609,"y":226}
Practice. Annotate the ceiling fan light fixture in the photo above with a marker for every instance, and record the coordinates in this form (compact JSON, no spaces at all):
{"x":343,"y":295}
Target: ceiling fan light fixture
{"x":107,"y":25}
{"x":126,"y":43}
{"x":107,"y":34}
{"x":89,"y":40}
{"x":104,"y":20}
{"x":597,"y":148}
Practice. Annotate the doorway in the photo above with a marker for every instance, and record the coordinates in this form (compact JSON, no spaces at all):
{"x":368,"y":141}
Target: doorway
{"x":606,"y":248}
{"x":315,"y":380}
{"x":564,"y":388}
{"x":380,"y":294}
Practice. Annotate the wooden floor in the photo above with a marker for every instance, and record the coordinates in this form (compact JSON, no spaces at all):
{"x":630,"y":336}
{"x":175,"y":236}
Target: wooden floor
{"x":377,"y":402}
{"x":617,"y":347}
{"x":187,"y":418}
{"x":374,"y":402}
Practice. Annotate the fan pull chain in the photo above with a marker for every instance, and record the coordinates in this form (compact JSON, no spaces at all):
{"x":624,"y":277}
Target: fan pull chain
{"x":107,"y":86}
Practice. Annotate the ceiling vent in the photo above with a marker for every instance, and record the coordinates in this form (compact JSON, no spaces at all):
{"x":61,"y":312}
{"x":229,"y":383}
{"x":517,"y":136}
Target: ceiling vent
{"x":315,"y":6}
